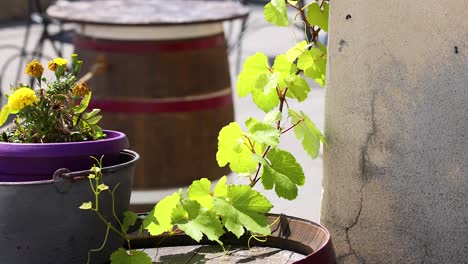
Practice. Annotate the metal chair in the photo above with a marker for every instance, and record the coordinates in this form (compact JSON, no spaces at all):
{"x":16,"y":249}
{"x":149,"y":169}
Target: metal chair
{"x":37,"y":15}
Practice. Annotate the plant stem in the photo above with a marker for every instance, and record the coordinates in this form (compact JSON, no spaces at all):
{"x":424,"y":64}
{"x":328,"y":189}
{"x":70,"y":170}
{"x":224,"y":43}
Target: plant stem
{"x":291,"y":127}
{"x":282,"y":98}
{"x":124,"y":236}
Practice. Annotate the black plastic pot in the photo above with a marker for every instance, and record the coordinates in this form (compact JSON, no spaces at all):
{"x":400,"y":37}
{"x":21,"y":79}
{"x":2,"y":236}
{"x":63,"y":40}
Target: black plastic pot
{"x":41,"y":222}
{"x":289,"y":233}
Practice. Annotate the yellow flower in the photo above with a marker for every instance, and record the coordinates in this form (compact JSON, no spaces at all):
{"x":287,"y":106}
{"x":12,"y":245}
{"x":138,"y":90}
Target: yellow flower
{"x":34,"y":69}
{"x":20,"y":98}
{"x":53,"y":64}
{"x":80,"y":89}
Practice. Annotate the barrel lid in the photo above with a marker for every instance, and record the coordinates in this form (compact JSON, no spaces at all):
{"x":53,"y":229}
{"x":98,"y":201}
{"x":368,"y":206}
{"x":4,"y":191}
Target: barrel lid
{"x":150,"y":12}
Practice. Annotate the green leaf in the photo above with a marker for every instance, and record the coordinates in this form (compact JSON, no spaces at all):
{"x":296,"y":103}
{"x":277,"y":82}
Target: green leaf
{"x":307,"y":132}
{"x":293,"y":2}
{"x":276,"y":13}
{"x":283,"y":173}
{"x":317,"y":72}
{"x":272,"y":117}
{"x":267,"y":82}
{"x":314,"y":62}
{"x":243,"y":207}
{"x":220,"y":189}
{"x":253,"y":67}
{"x":316,"y":16}
{"x":78,"y":109}
{"x":295,"y":51}
{"x":250,"y":122}
{"x":158,"y":220}
{"x":129,"y":220}
{"x":265,"y":102}
{"x":199,"y":191}
{"x":307,"y":58}
{"x":283,"y":67}
{"x":93,"y":120}
{"x":121,"y":256}
{"x":233,"y":150}
{"x":326,"y":11}
{"x":298,"y":87}
{"x":264,"y":134}
{"x":4,"y":114}
{"x":93,"y":113}
{"x":195,"y":221}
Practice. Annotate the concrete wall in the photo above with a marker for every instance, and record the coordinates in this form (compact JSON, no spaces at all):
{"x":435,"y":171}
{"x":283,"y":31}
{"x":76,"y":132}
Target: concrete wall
{"x":396,"y":120}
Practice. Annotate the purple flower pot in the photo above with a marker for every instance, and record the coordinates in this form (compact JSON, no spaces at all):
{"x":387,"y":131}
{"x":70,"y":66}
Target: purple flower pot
{"x":36,"y":162}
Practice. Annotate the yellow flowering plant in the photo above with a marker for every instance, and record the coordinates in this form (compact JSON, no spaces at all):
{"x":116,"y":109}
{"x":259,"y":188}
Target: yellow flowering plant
{"x":54,"y":112}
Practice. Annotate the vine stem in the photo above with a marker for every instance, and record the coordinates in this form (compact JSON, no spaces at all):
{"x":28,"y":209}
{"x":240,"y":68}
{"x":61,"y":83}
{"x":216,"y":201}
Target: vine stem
{"x":282,"y":98}
{"x":291,"y":127}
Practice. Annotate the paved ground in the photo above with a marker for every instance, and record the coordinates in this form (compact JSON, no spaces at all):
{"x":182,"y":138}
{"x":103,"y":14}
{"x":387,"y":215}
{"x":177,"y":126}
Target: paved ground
{"x":260,"y":37}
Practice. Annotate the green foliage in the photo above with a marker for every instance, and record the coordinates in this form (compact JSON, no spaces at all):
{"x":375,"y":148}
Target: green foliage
{"x":295,"y":51}
{"x":200,"y":191}
{"x":275,"y":12}
{"x":307,"y":132}
{"x":283,"y":172}
{"x":233,"y":148}
{"x":298,"y":87}
{"x":262,"y":133}
{"x":253,"y":67}
{"x":81,"y":107}
{"x":313,"y":62}
{"x":196,"y":220}
{"x":318,"y":16}
{"x":159,"y":220}
{"x":243,"y":207}
{"x":129,"y":220}
{"x":122,"y":256}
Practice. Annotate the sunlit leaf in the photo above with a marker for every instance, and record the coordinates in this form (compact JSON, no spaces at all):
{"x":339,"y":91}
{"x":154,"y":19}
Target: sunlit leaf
{"x":4,"y":114}
{"x":196,"y":220}
{"x":158,"y":220}
{"x":243,"y":208}
{"x":282,"y":172}
{"x":253,"y":67}
{"x":307,"y":133}
{"x":276,"y":13}
{"x":232,"y":150}
{"x":200,"y":191}
{"x":83,"y":104}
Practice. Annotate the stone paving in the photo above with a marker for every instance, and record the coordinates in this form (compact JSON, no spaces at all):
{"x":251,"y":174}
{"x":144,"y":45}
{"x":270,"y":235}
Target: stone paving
{"x":259,"y":37}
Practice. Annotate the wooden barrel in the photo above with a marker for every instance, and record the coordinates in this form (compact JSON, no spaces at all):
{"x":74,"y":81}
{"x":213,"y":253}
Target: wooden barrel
{"x":293,"y":240}
{"x":167,"y":88}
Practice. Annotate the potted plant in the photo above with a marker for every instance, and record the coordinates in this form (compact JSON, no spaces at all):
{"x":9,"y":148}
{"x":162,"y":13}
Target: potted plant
{"x":233,"y":214}
{"x":44,"y":165}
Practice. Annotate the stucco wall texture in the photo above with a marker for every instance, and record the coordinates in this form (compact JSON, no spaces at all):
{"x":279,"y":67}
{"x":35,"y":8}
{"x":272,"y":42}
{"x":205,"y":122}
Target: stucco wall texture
{"x":396,"y":120}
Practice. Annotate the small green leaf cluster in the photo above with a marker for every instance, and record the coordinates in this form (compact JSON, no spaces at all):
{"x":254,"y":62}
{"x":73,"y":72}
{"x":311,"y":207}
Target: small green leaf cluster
{"x":203,"y":211}
{"x":54,"y":112}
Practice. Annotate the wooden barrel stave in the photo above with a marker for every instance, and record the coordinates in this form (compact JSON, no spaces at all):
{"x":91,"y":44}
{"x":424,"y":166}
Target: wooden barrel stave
{"x":177,"y":145}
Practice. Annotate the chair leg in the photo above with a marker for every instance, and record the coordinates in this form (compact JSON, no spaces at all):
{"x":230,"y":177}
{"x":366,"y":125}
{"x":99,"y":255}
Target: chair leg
{"x":239,"y":45}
